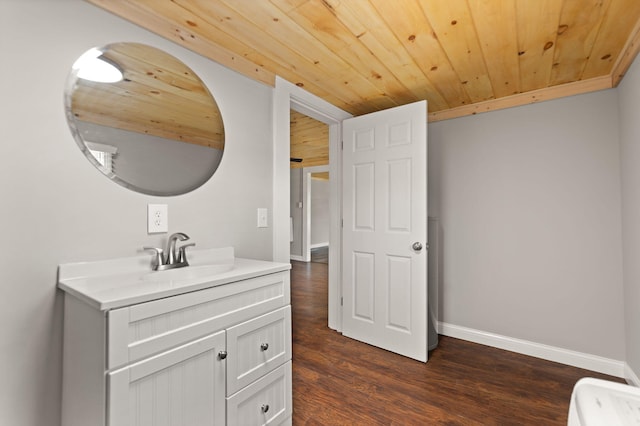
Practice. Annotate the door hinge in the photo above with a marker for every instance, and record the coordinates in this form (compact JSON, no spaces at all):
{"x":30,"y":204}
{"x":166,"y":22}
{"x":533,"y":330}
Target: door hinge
{"x":341,"y":223}
{"x":341,"y":301}
{"x":342,"y":145}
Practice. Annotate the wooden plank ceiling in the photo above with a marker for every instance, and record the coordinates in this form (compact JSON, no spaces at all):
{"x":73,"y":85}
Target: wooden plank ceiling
{"x":463,"y":56}
{"x":309,"y":141}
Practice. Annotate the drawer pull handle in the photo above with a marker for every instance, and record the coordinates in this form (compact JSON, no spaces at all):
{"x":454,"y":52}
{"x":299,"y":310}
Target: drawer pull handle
{"x":265,"y":408}
{"x":264,"y":347}
{"x":222,"y":354}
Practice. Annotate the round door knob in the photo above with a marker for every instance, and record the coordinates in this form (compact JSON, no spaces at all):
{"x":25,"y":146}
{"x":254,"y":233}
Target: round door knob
{"x":417,"y":246}
{"x":265,"y":408}
{"x":264,"y":346}
{"x":222,"y":354}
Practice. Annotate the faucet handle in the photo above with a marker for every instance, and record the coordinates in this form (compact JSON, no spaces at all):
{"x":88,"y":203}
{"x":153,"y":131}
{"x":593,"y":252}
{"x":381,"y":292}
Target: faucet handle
{"x":158,"y":259}
{"x":182,"y":253}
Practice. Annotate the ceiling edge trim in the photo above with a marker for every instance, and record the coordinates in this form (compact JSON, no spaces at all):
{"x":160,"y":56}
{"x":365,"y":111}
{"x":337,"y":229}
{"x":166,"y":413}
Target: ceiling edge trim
{"x":627,"y":56}
{"x":534,"y":96}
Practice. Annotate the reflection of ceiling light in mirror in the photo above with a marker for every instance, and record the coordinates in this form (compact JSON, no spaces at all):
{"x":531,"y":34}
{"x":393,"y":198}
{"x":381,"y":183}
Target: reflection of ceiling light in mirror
{"x":91,"y":66}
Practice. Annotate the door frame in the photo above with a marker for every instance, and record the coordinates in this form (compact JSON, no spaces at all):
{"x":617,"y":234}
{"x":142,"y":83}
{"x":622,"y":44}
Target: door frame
{"x":287,"y":96}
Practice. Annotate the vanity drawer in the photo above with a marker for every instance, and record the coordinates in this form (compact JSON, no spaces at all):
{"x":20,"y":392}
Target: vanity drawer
{"x":266,"y":401}
{"x":256,"y":347}
{"x":141,"y":330}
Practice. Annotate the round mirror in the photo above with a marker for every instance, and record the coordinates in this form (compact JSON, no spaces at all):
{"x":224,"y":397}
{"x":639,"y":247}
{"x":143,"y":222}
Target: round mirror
{"x":144,"y":119}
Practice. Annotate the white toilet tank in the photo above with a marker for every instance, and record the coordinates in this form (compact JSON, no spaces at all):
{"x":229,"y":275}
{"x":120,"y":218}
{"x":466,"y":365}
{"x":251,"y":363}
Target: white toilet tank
{"x":596,"y":402}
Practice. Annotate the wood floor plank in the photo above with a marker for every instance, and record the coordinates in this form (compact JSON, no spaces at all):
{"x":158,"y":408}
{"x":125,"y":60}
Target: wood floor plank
{"x":340,"y":381}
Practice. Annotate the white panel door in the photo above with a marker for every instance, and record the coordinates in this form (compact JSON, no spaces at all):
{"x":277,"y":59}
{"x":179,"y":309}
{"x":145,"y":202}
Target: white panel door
{"x":184,"y":386}
{"x":385,"y":229}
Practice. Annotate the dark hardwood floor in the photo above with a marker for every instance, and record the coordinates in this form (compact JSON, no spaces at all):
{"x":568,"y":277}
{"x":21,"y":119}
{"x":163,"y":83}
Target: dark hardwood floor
{"x":339,"y":381}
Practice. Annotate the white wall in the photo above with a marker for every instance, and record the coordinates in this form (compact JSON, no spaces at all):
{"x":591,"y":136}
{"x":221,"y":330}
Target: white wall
{"x":57,"y":208}
{"x":629,"y":94}
{"x":319,"y":212}
{"x":529,"y":204}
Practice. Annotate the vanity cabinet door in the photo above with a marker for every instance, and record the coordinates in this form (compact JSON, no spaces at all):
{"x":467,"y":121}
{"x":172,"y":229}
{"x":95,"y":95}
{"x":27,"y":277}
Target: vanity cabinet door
{"x":256,"y":347}
{"x":184,"y":386}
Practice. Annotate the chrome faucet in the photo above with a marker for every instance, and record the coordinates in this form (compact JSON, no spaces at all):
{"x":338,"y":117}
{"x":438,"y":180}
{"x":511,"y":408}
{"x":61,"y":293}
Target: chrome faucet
{"x":171,"y":247}
{"x":169,"y":259}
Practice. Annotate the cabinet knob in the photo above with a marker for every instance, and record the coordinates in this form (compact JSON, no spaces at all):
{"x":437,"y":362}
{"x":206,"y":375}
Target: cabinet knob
{"x":265,"y":408}
{"x":222,"y":354}
{"x":264,"y":346}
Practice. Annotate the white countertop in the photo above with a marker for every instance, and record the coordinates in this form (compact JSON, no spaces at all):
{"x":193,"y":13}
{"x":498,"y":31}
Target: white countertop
{"x":116,"y":283}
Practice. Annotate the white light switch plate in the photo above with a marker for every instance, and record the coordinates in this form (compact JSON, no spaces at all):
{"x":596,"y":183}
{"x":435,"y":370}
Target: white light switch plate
{"x":157,"y":218}
{"x":263,"y":218}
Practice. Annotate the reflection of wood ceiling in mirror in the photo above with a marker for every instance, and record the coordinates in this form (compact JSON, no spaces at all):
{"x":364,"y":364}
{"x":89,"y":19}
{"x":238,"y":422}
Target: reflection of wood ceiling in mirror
{"x":320,"y":175}
{"x":309,"y":141}
{"x":159,"y":96}
{"x":463,"y":56}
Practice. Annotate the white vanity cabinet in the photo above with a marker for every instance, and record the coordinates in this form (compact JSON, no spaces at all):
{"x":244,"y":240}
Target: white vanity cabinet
{"x":220,"y":354}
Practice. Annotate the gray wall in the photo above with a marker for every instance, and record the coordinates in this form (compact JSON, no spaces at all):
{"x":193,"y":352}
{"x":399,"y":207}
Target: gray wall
{"x":296,"y":196}
{"x":57,"y":208}
{"x":629,"y":92}
{"x":319,"y":212}
{"x":154,"y":163}
{"x":529,"y":205}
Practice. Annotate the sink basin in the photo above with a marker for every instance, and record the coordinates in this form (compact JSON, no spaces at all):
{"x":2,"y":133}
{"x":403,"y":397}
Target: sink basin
{"x":188,"y":272}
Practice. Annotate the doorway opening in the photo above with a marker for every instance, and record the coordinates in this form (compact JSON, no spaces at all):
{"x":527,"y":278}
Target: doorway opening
{"x":309,"y":186}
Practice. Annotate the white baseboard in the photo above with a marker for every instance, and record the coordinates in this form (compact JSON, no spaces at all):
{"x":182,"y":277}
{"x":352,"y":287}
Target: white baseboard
{"x":318,"y":245}
{"x":630,"y":376}
{"x":577,"y":359}
{"x":298,"y":258}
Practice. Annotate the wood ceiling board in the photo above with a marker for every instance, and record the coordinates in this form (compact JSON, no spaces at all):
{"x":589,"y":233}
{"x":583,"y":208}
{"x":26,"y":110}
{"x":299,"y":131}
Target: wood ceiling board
{"x":158,"y":75}
{"x":580,"y":22}
{"x":320,"y":176}
{"x":495,"y":23}
{"x":309,"y":140}
{"x":370,"y":29}
{"x":165,"y":25}
{"x":453,"y":25}
{"x":414,"y":31}
{"x":313,"y":60}
{"x":319,"y":19}
{"x":148,"y":118}
{"x":619,"y":21}
{"x":537,"y":23}
{"x":319,"y":62}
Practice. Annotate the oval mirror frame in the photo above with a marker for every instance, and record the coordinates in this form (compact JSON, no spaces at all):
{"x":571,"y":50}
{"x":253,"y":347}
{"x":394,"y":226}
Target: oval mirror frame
{"x":151,"y":125}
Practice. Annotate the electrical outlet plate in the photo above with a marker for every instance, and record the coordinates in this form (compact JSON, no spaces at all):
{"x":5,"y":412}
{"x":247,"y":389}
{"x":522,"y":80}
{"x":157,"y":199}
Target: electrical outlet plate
{"x":157,"y":218}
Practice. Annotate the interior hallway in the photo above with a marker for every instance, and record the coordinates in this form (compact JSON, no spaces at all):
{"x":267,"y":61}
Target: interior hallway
{"x":339,"y":381}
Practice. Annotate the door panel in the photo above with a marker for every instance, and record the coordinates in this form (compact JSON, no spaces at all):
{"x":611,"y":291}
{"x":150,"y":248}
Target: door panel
{"x":385,"y":212}
{"x":363,"y":280}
